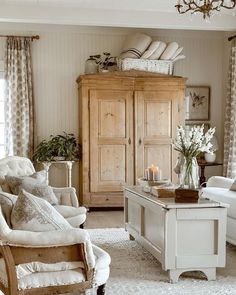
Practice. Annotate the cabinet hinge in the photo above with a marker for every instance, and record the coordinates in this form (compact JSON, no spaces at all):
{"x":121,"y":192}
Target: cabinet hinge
{"x":178,"y":108}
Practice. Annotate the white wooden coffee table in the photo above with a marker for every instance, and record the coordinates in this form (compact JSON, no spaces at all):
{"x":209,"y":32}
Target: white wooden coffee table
{"x":182,"y":236}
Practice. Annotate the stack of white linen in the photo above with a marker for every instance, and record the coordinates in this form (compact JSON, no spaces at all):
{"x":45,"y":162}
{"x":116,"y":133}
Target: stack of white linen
{"x":141,"y":46}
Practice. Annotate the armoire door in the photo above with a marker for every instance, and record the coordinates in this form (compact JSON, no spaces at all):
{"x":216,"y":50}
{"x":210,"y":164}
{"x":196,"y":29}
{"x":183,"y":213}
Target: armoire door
{"x":156,"y":117}
{"x":111,"y":140}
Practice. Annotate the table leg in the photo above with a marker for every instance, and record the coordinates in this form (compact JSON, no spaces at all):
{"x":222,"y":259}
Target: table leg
{"x":69,"y":168}
{"x":202,"y":176}
{"x":46,"y":166}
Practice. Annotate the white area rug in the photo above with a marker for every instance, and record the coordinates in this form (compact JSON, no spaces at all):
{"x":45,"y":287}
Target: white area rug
{"x":135,"y":271}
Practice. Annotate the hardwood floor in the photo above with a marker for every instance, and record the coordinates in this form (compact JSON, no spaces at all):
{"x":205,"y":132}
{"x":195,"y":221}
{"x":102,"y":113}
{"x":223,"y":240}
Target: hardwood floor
{"x":105,"y":219}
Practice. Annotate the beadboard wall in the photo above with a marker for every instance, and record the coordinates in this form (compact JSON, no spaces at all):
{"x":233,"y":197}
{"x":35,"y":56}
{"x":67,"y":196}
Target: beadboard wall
{"x":59,"y":57}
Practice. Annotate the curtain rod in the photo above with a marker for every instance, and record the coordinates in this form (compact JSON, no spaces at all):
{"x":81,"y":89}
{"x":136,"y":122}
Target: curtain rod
{"x":36,"y":37}
{"x":232,"y":37}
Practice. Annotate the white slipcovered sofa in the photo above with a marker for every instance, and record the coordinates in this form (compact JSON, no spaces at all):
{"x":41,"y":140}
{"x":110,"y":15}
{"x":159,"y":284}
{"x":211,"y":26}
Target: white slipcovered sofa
{"x":218,"y":189}
{"x":68,"y":205}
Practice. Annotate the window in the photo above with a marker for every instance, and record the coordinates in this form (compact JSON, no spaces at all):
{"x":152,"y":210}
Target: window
{"x":2,"y":115}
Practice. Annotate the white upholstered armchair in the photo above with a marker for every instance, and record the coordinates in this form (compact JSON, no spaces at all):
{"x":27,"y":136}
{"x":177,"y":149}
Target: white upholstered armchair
{"x":37,"y":262}
{"x":53,"y":262}
{"x":68,"y":205}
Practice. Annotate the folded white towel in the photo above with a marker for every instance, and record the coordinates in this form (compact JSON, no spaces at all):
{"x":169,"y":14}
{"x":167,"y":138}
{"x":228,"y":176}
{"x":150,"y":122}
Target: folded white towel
{"x":151,"y":49}
{"x":179,"y":57}
{"x":158,"y":52}
{"x":177,"y":52}
{"x":135,"y":45}
{"x":169,"y":51}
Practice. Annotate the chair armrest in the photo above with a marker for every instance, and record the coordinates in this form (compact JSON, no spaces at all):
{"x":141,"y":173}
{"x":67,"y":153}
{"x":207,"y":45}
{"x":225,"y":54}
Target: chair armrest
{"x":103,"y":259}
{"x":219,"y":181}
{"x":57,"y":238}
{"x":66,"y":196}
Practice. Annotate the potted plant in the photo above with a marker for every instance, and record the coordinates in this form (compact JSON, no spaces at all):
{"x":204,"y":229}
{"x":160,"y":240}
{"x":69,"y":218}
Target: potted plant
{"x":43,"y":152}
{"x":104,"y":62}
{"x":59,"y":147}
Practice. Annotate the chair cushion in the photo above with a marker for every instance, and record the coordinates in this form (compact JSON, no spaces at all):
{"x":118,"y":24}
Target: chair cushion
{"x":35,"y":214}
{"x":69,"y":211}
{"x":223,"y":195}
{"x":32,"y":267}
{"x":74,"y":215}
{"x":15,"y":182}
{"x":7,"y":202}
{"x":44,"y":279}
{"x":76,"y":221}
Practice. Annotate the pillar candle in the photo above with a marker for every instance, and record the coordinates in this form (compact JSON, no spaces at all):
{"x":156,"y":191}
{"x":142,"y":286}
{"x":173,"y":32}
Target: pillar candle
{"x":150,"y":173}
{"x":146,"y":174}
{"x":155,"y":173}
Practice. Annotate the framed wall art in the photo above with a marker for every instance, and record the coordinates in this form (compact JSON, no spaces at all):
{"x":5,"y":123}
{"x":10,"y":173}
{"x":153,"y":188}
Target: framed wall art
{"x":197,"y":103}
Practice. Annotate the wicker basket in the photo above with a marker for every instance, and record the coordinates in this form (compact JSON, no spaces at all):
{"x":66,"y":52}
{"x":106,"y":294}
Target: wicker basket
{"x":155,"y":66}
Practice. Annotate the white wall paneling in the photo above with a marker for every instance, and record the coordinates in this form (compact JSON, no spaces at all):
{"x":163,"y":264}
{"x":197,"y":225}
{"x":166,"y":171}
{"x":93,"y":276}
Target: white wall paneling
{"x":59,"y":56}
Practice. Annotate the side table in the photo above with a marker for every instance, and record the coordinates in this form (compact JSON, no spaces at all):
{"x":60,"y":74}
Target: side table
{"x":68,"y":164}
{"x":202,"y":166}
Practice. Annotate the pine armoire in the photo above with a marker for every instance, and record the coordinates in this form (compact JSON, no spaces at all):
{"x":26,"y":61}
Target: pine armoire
{"x":127,"y":121}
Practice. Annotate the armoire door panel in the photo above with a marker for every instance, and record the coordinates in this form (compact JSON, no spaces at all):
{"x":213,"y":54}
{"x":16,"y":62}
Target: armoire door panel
{"x":154,"y":112}
{"x":111,"y":140}
{"x":111,"y":118}
{"x":156,"y":155}
{"x":112,"y":164}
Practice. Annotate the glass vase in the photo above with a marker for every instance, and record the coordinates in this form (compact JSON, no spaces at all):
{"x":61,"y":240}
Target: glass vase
{"x":91,"y":66}
{"x":189,"y":173}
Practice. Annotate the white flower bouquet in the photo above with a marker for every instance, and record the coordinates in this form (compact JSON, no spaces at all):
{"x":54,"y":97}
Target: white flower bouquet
{"x":190,"y":143}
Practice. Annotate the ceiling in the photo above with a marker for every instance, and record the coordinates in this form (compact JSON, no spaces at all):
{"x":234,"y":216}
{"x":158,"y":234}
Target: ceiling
{"x":122,"y":13}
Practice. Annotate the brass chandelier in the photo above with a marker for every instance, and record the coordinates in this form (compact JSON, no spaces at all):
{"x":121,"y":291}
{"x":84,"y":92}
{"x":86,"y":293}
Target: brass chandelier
{"x":206,"y":7}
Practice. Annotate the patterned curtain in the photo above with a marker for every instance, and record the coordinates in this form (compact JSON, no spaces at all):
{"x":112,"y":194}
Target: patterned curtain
{"x":230,"y":119}
{"x":19,"y":98}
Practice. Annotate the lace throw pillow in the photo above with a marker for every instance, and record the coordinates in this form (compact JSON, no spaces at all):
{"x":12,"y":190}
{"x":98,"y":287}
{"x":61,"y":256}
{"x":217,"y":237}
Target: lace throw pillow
{"x":42,"y":191}
{"x":35,"y":214}
{"x":7,"y":202}
{"x":15,"y":183}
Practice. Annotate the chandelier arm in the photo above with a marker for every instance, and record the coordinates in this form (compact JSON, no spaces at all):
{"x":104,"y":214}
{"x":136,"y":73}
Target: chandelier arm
{"x":179,"y":6}
{"x":182,"y":12}
{"x":229,"y":7}
{"x":189,"y":5}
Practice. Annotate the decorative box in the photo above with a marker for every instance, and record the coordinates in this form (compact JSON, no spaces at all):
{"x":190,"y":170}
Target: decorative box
{"x":155,"y":66}
{"x":186,"y":195}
